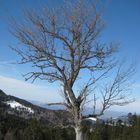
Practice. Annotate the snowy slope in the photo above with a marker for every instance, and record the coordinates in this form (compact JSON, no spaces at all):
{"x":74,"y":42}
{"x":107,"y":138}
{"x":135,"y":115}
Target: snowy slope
{"x":18,"y":106}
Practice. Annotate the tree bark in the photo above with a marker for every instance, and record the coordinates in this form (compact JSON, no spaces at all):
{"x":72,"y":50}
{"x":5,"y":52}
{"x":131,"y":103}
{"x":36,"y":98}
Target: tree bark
{"x":79,"y":133}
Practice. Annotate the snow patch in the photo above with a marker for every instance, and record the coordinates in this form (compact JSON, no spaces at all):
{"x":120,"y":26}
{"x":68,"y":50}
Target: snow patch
{"x":92,"y":118}
{"x":18,"y":106}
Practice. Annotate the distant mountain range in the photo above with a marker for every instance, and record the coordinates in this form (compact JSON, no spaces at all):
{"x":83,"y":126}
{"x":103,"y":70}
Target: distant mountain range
{"x":42,"y":111}
{"x":108,"y":114}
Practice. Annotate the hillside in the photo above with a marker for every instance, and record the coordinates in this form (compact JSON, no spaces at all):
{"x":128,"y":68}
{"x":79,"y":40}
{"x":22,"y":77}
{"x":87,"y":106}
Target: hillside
{"x":21,"y":120}
{"x":24,"y":109}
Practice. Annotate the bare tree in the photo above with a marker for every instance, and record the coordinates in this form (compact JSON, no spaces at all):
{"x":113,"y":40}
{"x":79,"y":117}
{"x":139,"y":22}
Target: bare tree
{"x":63,"y":45}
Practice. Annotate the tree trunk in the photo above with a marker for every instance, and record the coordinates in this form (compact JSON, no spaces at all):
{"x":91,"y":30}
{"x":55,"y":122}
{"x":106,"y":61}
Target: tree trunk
{"x":78,"y":126}
{"x":79,"y":134}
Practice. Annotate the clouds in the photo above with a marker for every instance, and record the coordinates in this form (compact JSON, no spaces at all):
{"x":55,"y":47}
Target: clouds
{"x":136,"y":85}
{"x":47,"y":94}
{"x":9,"y":83}
{"x":132,"y":107}
{"x":28,"y":91}
{"x":9,"y":68}
{"x":6,"y":62}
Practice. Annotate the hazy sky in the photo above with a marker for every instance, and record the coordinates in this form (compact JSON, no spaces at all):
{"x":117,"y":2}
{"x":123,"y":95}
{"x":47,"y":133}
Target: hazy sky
{"x":122,"y":18}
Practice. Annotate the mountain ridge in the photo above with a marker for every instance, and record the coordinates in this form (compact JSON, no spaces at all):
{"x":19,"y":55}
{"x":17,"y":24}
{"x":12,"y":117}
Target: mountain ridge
{"x":46,"y":115}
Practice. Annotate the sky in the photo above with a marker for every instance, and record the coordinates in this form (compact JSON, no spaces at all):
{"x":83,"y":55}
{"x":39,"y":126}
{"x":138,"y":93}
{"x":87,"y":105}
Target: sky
{"x":122,"y":25}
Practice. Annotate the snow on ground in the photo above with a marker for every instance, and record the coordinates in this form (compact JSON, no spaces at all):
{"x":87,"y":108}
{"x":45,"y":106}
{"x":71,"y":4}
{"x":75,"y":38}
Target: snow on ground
{"x":19,"y":106}
{"x":92,"y":118}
